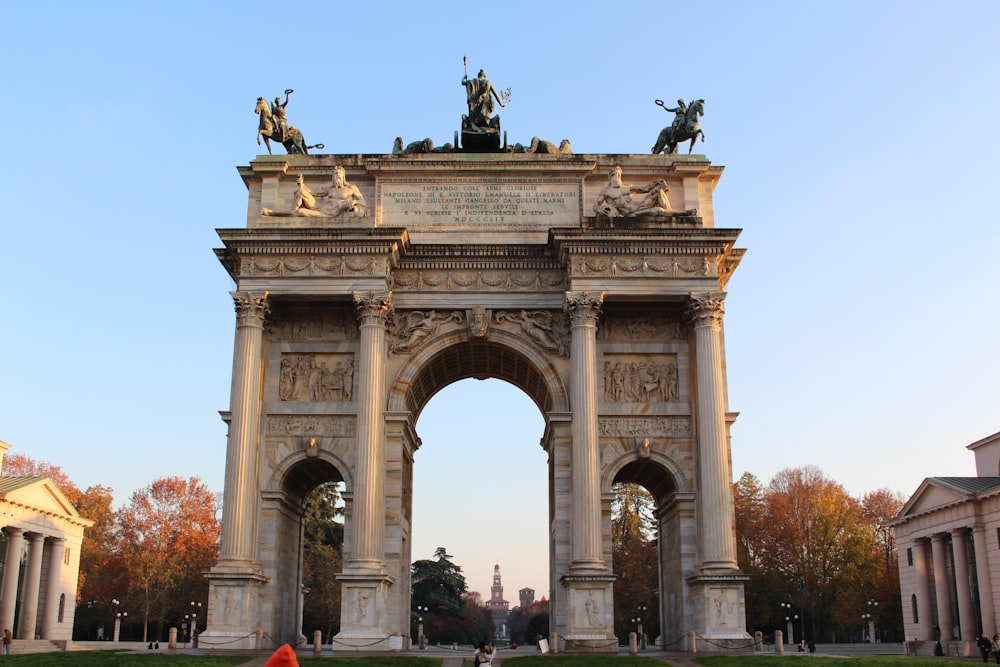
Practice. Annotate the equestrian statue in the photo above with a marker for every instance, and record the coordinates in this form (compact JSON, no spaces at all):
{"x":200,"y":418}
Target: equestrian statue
{"x":684,"y":127}
{"x":274,"y":125}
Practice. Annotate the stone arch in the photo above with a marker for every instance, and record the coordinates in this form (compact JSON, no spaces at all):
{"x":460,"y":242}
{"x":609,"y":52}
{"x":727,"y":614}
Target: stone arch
{"x":298,"y":473}
{"x":675,"y":515}
{"x":454,"y":356}
{"x":643,"y":471}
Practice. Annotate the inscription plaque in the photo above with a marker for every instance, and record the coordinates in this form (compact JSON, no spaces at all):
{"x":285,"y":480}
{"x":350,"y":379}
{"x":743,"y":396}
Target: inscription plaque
{"x":459,"y":202}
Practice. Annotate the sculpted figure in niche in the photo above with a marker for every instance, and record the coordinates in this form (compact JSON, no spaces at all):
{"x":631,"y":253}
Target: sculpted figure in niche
{"x":593,"y":611}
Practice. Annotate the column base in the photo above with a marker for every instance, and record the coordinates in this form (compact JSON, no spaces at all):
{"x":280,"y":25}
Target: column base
{"x":719,"y":606}
{"x":363,"y":613}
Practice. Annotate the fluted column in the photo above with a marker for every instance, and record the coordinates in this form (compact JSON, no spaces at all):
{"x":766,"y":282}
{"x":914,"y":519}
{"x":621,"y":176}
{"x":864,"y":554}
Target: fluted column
{"x":968,"y":624}
{"x":53,"y":586}
{"x":941,"y":587}
{"x":924,"y":609}
{"x":32,"y":584}
{"x":983,"y":574}
{"x":367,"y":551}
{"x":11,"y":572}
{"x":584,"y":310}
{"x":239,"y":499}
{"x":715,"y":494}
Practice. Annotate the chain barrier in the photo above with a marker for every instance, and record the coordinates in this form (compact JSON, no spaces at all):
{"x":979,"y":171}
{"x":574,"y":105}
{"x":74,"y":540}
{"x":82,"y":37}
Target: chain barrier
{"x":211,"y":643}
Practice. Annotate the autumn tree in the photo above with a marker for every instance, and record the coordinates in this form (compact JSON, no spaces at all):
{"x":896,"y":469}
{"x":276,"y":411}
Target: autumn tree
{"x":168,"y":537}
{"x":322,"y":559}
{"x":805,"y":541}
{"x":635,"y":559}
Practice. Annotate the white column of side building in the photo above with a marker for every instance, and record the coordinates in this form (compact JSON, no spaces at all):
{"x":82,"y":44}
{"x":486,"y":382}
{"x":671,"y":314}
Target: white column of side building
{"x":968,"y":624}
{"x":32,"y":584}
{"x":584,"y":311}
{"x":368,"y":549}
{"x":57,"y":547}
{"x":983,"y":574}
{"x":11,"y":572}
{"x":941,"y":587}
{"x":924,"y":610}
{"x":237,"y":543}
{"x":715,"y":492}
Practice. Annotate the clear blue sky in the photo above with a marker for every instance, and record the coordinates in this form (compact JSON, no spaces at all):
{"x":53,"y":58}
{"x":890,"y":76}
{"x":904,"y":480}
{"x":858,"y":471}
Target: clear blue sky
{"x":860,"y":141}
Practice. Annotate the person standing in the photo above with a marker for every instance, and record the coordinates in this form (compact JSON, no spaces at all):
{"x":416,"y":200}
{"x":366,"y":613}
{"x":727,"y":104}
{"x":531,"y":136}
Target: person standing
{"x":485,"y":655}
{"x":984,"y":647}
{"x":8,"y":638}
{"x":995,"y":647}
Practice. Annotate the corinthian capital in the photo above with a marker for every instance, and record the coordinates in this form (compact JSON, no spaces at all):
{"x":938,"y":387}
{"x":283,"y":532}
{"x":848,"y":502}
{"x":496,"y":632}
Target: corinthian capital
{"x":706,"y":309}
{"x":250,"y":309}
{"x":373,"y":307}
{"x":583,"y":307}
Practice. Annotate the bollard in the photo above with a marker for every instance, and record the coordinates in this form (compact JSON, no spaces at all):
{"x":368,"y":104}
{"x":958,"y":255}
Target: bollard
{"x":554,"y":642}
{"x":633,"y":646}
{"x":259,"y":644}
{"x":758,"y":641}
{"x":779,"y":641}
{"x":172,"y":638}
{"x":318,"y":642}
{"x":693,"y":642}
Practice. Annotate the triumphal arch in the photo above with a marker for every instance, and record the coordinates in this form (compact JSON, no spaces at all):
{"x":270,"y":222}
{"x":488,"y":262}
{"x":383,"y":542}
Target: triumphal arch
{"x":367,"y":283}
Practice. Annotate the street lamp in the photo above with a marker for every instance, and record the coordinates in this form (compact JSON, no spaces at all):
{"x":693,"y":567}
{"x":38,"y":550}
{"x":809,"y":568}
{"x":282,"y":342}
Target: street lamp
{"x":870,"y":617}
{"x":195,"y":609}
{"x":118,"y":623}
{"x":638,"y":621}
{"x":421,"y":640}
{"x":786,"y":608}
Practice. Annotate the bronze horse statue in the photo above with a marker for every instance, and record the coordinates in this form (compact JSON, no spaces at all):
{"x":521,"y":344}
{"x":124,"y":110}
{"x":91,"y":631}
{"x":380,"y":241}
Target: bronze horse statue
{"x":689,"y":129}
{"x":292,"y":139}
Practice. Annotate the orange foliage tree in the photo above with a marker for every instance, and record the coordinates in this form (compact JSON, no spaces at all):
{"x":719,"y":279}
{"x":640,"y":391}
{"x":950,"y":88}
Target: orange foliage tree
{"x":168,"y":537}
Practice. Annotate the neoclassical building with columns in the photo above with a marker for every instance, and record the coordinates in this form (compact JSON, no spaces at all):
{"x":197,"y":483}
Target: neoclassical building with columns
{"x":948,"y":543}
{"x":594,"y":283}
{"x":40,"y":556}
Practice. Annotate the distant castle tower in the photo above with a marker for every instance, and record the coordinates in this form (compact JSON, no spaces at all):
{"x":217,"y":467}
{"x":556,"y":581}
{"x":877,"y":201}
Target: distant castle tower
{"x":499,"y":608}
{"x":527,"y":598}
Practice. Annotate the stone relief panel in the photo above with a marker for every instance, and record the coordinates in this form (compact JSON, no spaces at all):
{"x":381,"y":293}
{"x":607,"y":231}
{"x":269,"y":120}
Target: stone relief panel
{"x":633,"y":325}
{"x":631,"y":378}
{"x":312,"y":265}
{"x":544,"y":328}
{"x":411,"y":328}
{"x":318,"y":378}
{"x":618,"y":266}
{"x":724,"y":607}
{"x":312,"y":324}
{"x":311,"y":425}
{"x":642,"y":427}
{"x":479,"y":280}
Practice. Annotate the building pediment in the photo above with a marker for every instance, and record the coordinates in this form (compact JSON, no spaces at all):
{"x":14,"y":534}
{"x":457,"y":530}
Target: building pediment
{"x":41,"y":495}
{"x":936,"y":493}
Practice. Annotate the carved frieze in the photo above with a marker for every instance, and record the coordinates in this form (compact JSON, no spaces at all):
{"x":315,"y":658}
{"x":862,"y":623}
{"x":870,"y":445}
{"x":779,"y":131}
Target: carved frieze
{"x":546,"y":329}
{"x":311,"y":425}
{"x":319,"y":378}
{"x":479,"y":280}
{"x":331,"y":324}
{"x":624,"y":266}
{"x":313,"y":265}
{"x":635,"y":325}
{"x":630,"y":378}
{"x":612,"y":427}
